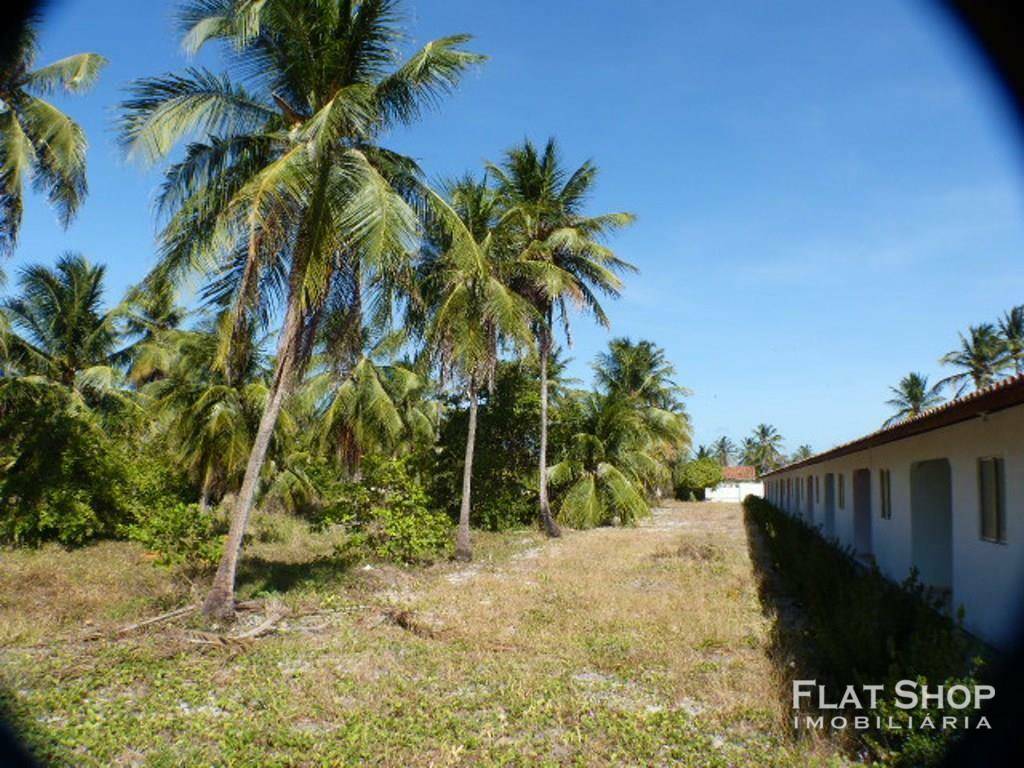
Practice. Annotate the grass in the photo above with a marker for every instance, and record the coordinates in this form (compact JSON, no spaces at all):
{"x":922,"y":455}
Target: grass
{"x":643,"y":646}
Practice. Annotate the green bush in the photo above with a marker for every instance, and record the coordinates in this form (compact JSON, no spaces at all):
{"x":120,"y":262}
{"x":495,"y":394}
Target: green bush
{"x":388,"y":509}
{"x":505,"y":465}
{"x":862,"y":628}
{"x":181,"y":534}
{"x":692,"y":477}
{"x":68,"y":475}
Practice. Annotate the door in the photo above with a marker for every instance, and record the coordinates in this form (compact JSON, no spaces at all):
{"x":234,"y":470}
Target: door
{"x":830,"y":505}
{"x":862,"y":512}
{"x":809,"y":513}
{"x":931,"y":522}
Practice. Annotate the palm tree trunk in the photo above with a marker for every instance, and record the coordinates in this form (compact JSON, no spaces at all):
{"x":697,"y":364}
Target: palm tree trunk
{"x":463,"y":549}
{"x":550,"y":526}
{"x":220,"y":602}
{"x":204,"y":494}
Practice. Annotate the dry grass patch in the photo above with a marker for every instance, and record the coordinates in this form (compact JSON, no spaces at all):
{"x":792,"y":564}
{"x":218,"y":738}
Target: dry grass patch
{"x":642,"y":646}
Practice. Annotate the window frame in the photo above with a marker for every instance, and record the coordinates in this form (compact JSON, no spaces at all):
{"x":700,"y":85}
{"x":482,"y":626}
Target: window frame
{"x":885,"y":493}
{"x":999,"y":464}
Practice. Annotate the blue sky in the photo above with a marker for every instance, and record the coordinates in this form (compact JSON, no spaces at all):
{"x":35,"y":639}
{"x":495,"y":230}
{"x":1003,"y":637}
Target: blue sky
{"x":826,"y":192}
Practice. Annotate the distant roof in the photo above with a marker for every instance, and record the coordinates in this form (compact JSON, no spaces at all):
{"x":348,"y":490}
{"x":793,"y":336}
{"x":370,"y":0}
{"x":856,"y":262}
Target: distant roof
{"x":739,"y":474}
{"x":1001,"y":395}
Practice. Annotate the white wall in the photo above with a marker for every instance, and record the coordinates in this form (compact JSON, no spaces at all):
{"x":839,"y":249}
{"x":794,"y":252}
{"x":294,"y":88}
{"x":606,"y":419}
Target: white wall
{"x":733,"y":492}
{"x":988,"y":577}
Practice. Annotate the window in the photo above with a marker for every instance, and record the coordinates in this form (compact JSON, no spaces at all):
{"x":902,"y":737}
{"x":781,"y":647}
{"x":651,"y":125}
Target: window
{"x":817,"y":490}
{"x":992,"y":499}
{"x":842,"y":491}
{"x":885,"y":489}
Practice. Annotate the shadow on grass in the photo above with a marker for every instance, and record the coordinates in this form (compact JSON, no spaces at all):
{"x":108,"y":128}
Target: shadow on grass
{"x":258,"y":575}
{"x":789,"y":650}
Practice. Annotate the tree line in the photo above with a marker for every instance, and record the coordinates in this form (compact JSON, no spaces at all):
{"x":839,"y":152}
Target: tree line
{"x":360,"y":333}
{"x":987,"y":353}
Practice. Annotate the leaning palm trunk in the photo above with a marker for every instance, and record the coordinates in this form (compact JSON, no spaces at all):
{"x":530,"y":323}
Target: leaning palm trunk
{"x":463,"y":548}
{"x":220,"y":602}
{"x":550,"y":526}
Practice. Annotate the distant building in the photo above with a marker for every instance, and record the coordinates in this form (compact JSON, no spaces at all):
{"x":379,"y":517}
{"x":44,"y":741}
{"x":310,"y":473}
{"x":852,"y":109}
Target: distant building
{"x":737,"y":483}
{"x":942,"y":492}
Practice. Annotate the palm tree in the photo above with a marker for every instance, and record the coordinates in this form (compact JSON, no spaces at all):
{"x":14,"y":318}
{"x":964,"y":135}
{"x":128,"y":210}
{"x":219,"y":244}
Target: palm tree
{"x":639,"y":370}
{"x":60,"y":330}
{"x":472,"y":313}
{"x":763,"y":449}
{"x":379,"y":405}
{"x":561,"y":258}
{"x":1011,"y":327}
{"x":802,"y":453}
{"x":37,"y":140}
{"x":724,"y":449}
{"x":703,"y":452}
{"x":983,"y":356}
{"x":639,"y":373}
{"x":287,"y":200}
{"x":912,"y":397}
{"x":607,"y":465}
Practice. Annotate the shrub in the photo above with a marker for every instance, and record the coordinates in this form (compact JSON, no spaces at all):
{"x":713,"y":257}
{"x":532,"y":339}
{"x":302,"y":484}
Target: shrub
{"x":67,"y":475}
{"x":389,"y":510}
{"x":693,"y":477}
{"x":865,"y":629}
{"x":181,"y":534}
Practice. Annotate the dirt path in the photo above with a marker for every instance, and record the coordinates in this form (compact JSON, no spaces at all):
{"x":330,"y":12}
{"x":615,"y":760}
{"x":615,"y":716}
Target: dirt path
{"x":642,"y":646}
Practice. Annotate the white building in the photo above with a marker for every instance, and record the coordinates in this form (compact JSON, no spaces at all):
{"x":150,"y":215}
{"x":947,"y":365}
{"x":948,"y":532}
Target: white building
{"x":942,"y":492}
{"x":737,"y":483}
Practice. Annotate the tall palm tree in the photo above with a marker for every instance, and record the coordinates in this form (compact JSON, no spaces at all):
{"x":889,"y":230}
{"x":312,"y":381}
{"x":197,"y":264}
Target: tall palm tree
{"x":724,"y":449}
{"x":38,"y":142}
{"x":982,"y":355}
{"x":1011,"y":327}
{"x":912,"y":396}
{"x":287,"y":200}
{"x":763,"y":449}
{"x":60,"y":330}
{"x":562,"y":260}
{"x":472,"y":314}
{"x":703,"y":452}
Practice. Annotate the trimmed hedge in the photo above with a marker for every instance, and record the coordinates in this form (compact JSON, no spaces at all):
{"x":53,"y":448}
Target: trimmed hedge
{"x":863,"y":628}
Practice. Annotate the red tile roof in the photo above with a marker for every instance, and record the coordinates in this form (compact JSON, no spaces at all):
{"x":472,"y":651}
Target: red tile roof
{"x":739,"y":474}
{"x":1001,"y":395}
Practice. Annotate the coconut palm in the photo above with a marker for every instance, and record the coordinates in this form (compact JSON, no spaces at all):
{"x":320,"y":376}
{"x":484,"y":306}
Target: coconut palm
{"x":562,"y":260}
{"x":640,"y":373}
{"x":802,"y":453}
{"x":703,"y":452}
{"x":1011,"y":327}
{"x":639,"y":370}
{"x":983,"y":356}
{"x":723,"y":449}
{"x":60,"y":330}
{"x":763,"y":449}
{"x":379,"y":405}
{"x":912,"y":396}
{"x":210,"y":411}
{"x":607,"y":465}
{"x":287,"y":201}
{"x":472,"y":314}
{"x":38,"y":142}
